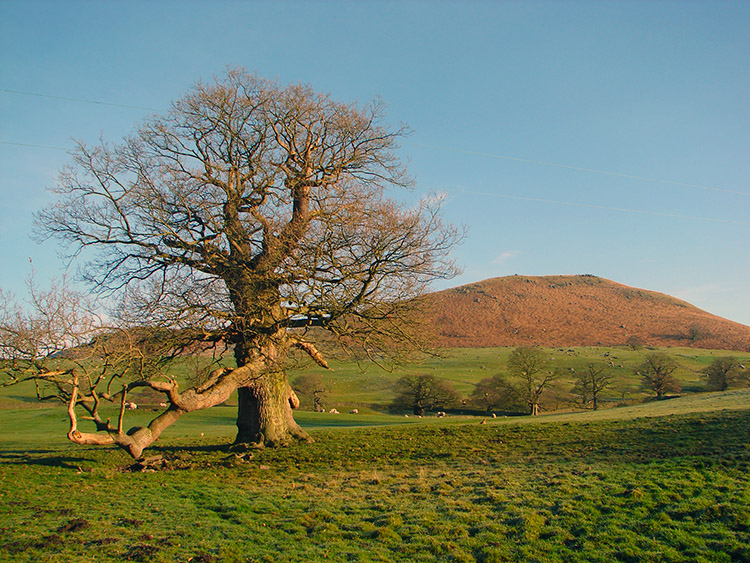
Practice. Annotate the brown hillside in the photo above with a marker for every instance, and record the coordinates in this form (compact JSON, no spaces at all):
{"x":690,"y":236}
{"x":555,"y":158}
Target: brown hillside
{"x":575,"y":311}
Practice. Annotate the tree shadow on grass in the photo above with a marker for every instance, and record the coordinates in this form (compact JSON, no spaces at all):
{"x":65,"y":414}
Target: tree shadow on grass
{"x":196,"y":448}
{"x":47,"y":458}
{"x":174,"y":456}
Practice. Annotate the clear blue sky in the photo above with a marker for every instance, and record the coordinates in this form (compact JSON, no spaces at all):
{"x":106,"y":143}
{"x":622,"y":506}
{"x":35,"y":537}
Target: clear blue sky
{"x":610,"y":138}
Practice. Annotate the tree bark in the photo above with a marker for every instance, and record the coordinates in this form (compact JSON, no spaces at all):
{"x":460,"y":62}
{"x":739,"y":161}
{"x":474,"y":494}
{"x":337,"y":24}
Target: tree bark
{"x":264,"y":413}
{"x":265,"y":403}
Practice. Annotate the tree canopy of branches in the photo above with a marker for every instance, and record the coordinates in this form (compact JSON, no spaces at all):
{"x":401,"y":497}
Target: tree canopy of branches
{"x":529,"y":365}
{"x":243,"y":214}
{"x":722,"y":373}
{"x":656,"y":374}
{"x":594,"y":379}
{"x":423,"y":392}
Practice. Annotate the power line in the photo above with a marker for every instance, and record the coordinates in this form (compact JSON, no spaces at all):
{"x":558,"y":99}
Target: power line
{"x":33,"y":146}
{"x":432,"y":147}
{"x":604,"y":207}
{"x":582,"y":169}
{"x":82,"y":100}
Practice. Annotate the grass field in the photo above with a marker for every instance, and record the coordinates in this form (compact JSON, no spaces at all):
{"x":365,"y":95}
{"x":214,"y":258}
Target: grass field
{"x":661,"y":481}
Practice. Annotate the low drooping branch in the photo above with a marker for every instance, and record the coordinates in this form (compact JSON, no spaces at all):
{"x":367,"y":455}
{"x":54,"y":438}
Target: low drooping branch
{"x":217,"y":389}
{"x":74,"y":435}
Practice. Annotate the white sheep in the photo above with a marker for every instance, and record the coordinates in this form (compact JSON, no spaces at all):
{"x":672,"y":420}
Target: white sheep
{"x":130,"y":405}
{"x":333,"y":411}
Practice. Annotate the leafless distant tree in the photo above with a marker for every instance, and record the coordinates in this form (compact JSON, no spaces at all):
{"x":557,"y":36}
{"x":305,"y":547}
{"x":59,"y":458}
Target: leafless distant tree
{"x":592,"y":380}
{"x":723,"y":373}
{"x":529,"y":365}
{"x":423,"y":392}
{"x":244,"y":214}
{"x":656,"y":374}
{"x":496,"y":393}
{"x":311,"y":386}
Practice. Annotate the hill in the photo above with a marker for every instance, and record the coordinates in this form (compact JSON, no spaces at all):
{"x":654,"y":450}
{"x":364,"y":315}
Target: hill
{"x":580,"y":310}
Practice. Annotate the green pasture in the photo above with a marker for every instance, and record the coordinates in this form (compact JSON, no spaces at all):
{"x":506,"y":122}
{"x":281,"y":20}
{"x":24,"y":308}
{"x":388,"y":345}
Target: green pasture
{"x":664,"y":481}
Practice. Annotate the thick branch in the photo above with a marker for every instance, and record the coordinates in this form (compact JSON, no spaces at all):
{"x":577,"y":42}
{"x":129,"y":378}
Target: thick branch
{"x":313,"y":353}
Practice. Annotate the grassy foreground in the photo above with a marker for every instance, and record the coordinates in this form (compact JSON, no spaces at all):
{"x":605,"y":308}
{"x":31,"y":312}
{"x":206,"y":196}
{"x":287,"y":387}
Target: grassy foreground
{"x":629,"y":485}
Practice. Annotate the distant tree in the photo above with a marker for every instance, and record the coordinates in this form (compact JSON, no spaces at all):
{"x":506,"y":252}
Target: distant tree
{"x":696,"y":332}
{"x":312,"y":389}
{"x":635,"y":342}
{"x":529,"y":365}
{"x":594,"y":379}
{"x":722,"y":373}
{"x":423,"y":392}
{"x":656,"y":374}
{"x":495,"y":393}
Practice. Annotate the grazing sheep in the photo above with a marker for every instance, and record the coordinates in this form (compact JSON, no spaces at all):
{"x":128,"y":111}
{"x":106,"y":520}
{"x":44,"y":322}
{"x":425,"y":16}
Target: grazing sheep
{"x":163,"y":405}
{"x":131,"y":406}
{"x":333,"y":411}
{"x":354,"y":411}
{"x":440,"y":414}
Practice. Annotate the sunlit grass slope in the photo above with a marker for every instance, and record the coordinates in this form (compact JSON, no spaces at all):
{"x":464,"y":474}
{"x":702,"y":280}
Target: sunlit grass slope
{"x":666,"y":481}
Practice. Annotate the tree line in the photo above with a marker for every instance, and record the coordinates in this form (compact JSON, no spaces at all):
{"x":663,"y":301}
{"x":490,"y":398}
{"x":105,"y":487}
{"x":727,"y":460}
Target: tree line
{"x":525,"y":385}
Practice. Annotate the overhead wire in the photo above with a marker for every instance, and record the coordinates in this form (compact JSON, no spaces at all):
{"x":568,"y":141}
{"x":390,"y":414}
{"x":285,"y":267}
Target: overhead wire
{"x":70,"y":99}
{"x":604,"y":207}
{"x":475,"y":153}
{"x":582,"y":169}
{"x":33,"y":146}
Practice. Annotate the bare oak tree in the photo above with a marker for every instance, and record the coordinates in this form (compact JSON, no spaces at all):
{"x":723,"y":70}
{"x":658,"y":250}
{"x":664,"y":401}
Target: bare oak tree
{"x":244,"y":214}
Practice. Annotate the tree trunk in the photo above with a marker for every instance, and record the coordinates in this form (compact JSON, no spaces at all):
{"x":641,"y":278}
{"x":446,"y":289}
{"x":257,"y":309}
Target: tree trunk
{"x":264,"y":413}
{"x":265,"y":402}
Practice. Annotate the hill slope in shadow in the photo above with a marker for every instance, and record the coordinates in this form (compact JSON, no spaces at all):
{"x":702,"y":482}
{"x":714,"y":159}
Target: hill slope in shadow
{"x":574,"y":311}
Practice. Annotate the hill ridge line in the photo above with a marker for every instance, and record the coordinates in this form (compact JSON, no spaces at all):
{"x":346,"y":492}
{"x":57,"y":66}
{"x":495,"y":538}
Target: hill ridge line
{"x":574,"y":310}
